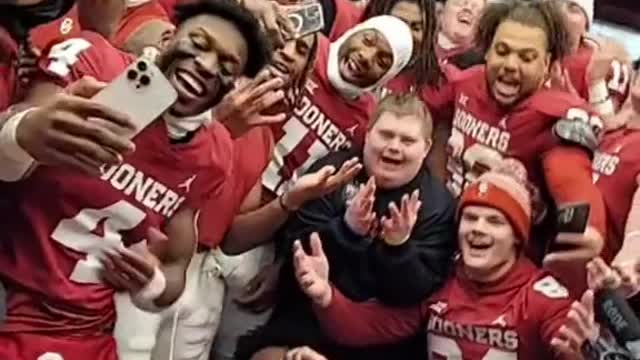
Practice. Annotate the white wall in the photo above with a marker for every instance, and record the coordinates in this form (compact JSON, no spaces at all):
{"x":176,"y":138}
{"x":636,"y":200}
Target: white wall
{"x":626,"y":36}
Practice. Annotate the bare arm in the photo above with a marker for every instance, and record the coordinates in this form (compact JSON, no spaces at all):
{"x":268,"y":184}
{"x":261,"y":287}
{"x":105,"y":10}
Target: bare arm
{"x":255,"y":227}
{"x":175,"y":254}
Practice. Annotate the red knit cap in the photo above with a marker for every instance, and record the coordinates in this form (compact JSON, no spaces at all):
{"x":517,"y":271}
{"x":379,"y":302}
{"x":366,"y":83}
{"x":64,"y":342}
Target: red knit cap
{"x":503,"y":189}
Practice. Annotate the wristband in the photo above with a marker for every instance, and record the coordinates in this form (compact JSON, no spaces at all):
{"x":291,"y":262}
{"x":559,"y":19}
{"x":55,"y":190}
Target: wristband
{"x":15,"y":161}
{"x":145,"y":297}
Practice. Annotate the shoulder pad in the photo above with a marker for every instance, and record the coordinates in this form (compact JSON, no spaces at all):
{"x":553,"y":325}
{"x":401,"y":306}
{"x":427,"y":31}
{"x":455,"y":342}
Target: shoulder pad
{"x":577,"y":132}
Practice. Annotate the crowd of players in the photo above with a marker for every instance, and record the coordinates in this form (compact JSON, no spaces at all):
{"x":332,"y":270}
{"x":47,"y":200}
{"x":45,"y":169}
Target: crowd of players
{"x":385,"y":187}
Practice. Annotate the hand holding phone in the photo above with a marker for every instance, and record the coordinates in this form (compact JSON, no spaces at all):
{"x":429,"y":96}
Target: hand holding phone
{"x":142,"y":92}
{"x":571,"y":219}
{"x":305,"y":18}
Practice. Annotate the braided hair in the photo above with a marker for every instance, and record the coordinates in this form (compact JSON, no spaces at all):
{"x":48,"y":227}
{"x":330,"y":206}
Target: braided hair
{"x":427,"y":69}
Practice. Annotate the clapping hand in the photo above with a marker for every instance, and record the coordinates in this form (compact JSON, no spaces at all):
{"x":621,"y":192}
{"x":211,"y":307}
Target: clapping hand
{"x":397,"y":229}
{"x":360,"y":216}
{"x":579,"y":327}
{"x":324,"y":181}
{"x":622,"y":275}
{"x":312,"y":271}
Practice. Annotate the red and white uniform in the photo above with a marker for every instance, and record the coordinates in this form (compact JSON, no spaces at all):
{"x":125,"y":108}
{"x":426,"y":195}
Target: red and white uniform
{"x":513,"y":318}
{"x":65,"y":27}
{"x":48,"y":260}
{"x":135,"y":17}
{"x":8,"y":58}
{"x":323,"y":122}
{"x":618,"y":80}
{"x":616,"y":167}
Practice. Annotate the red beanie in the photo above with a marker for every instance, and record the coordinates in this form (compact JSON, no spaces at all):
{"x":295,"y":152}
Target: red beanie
{"x":504,"y":191}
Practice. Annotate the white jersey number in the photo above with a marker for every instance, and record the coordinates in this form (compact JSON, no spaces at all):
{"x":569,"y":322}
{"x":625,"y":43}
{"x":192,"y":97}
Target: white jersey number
{"x":620,"y":78}
{"x":443,"y":348}
{"x":294,"y":132}
{"x":551,"y":288}
{"x":77,"y":233}
{"x":62,"y":56}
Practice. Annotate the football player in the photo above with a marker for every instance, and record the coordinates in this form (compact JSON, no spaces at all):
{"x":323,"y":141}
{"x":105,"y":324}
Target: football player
{"x":335,"y":107}
{"x":505,"y":107}
{"x":616,"y":171}
{"x":69,"y":242}
{"x":495,"y":305}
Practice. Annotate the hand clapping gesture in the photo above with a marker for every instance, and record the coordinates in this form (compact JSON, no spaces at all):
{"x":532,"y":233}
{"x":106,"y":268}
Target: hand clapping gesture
{"x":397,"y":229}
{"x":324,"y":181}
{"x":312,"y":271}
{"x":360,"y":216}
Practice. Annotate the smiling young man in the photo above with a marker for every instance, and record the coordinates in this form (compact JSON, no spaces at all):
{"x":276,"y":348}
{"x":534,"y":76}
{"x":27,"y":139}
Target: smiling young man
{"x":389,"y":233}
{"x":336,"y":105}
{"x":458,"y":24}
{"x":495,"y":305}
{"x":62,"y":259}
{"x":503,"y":109}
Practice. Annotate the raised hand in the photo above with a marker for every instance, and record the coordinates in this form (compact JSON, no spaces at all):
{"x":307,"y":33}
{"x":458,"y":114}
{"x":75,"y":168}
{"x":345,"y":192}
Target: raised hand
{"x":245,"y":106}
{"x":580,"y":326}
{"x":324,"y":181}
{"x":623,"y":276}
{"x":397,"y":229}
{"x":359,"y":215}
{"x":603,"y":56}
{"x":273,"y":18}
{"x":58,"y":133}
{"x":581,"y":247}
{"x":312,"y":271}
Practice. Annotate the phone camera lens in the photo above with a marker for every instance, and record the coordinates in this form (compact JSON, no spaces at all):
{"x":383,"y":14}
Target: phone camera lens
{"x":132,"y":74}
{"x":142,"y":66}
{"x":145,"y":80}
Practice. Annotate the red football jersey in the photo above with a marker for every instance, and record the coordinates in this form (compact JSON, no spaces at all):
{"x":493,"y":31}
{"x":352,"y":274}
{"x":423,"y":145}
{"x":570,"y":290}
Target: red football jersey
{"x":65,"y":27}
{"x":135,"y":17}
{"x":8,"y":81}
{"x":514,"y":318}
{"x":323,"y":121}
{"x":483,"y":133}
{"x":61,"y":221}
{"x":616,"y":167}
{"x":618,"y":80}
{"x":251,"y":154}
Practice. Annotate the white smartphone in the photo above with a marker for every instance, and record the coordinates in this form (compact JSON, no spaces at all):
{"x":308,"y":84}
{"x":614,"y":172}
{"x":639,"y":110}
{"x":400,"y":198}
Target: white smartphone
{"x":142,"y":92}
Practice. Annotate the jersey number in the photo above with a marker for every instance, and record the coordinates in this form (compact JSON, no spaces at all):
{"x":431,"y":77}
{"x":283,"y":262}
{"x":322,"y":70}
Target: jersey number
{"x":620,"y":78}
{"x":294,"y":132}
{"x":79,"y":234}
{"x":443,"y":348}
{"x":63,"y":55}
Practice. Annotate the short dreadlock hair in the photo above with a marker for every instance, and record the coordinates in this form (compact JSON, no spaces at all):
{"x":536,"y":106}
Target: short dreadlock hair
{"x":258,"y":44}
{"x":543,"y":14}
{"x":427,"y":68}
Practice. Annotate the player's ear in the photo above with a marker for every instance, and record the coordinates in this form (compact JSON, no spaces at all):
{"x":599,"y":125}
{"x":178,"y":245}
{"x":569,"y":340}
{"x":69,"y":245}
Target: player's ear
{"x":547,"y":62}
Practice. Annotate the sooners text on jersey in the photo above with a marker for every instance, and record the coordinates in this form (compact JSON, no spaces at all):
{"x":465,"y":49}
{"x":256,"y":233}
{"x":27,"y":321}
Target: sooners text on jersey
{"x":60,"y":222}
{"x":322,"y":122}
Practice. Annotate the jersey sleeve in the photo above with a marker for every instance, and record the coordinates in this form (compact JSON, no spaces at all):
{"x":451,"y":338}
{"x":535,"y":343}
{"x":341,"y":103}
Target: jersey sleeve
{"x":367,"y":323}
{"x":550,"y":302}
{"x":88,"y":54}
{"x":618,"y":82}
